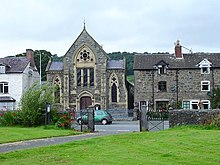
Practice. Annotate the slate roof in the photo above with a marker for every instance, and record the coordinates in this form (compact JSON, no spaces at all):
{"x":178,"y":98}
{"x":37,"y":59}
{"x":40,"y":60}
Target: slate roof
{"x":56,"y":66}
{"x":112,"y":64}
{"x":189,"y":61}
{"x":15,"y":64}
{"x":116,"y":64}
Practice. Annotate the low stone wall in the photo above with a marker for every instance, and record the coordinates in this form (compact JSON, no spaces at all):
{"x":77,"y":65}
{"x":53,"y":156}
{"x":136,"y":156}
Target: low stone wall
{"x":190,"y":117}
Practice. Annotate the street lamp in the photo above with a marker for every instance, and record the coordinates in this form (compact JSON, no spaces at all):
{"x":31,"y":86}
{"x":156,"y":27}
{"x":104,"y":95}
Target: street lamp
{"x":40,"y":68}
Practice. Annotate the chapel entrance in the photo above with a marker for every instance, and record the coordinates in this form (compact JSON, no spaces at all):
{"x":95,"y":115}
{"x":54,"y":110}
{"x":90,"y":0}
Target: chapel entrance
{"x":85,"y":102}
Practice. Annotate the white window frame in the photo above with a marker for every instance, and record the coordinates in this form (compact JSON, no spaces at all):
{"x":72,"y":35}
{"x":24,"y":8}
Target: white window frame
{"x":205,"y":64}
{"x":205,"y":102}
{"x":4,"y":84}
{"x":199,"y":104}
{"x":144,"y":102}
{"x":207,"y":71}
{"x":203,"y":83}
{"x":162,"y":69}
{"x":2,"y":69}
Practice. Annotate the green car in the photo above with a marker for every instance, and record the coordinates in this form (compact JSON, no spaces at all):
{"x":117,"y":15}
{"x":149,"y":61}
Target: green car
{"x":100,"y":116}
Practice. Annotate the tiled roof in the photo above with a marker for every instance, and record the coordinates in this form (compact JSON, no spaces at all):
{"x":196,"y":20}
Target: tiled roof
{"x":56,"y":66}
{"x":15,"y":64}
{"x":116,"y":64}
{"x":148,"y":61}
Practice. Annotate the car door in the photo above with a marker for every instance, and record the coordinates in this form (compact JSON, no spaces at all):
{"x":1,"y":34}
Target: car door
{"x":98,"y":116}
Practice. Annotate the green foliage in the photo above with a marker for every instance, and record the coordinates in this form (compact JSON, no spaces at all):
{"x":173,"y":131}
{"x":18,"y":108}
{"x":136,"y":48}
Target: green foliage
{"x":216,"y":121}
{"x":64,"y":121}
{"x":33,"y":104}
{"x":213,"y":122}
{"x":215,"y":98}
{"x":8,"y":119}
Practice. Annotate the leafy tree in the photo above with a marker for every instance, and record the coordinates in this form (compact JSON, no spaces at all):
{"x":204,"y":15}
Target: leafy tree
{"x":215,"y":98}
{"x":33,"y":104}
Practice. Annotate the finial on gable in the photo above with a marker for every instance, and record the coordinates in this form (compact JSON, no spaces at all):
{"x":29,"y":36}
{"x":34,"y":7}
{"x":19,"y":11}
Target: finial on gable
{"x":84,"y":24}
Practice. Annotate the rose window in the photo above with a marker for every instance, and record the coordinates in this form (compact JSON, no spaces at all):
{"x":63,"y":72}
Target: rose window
{"x":84,"y":55}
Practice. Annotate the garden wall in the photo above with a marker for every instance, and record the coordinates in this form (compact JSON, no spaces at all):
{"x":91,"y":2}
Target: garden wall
{"x":191,"y":117}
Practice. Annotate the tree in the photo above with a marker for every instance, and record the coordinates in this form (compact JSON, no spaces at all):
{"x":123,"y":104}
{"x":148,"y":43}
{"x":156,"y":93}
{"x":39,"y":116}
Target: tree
{"x":215,"y":98}
{"x":33,"y":104}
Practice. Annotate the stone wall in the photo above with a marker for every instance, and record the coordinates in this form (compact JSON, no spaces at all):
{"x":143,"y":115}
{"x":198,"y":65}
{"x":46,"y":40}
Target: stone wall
{"x":190,"y":117}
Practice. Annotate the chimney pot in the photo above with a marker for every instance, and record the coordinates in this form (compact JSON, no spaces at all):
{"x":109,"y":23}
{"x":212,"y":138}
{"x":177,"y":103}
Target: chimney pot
{"x":30,"y":56}
{"x":178,"y":50}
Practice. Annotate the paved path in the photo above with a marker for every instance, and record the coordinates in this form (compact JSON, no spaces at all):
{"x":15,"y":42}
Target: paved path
{"x":7,"y":147}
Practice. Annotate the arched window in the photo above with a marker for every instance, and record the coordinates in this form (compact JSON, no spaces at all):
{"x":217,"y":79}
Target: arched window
{"x":114,"y":93}
{"x":57,"y":94}
{"x":57,"y":90}
{"x":114,"y":88}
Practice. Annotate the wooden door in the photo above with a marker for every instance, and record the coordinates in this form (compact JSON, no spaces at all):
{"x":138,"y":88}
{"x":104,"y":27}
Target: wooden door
{"x":85,"y":102}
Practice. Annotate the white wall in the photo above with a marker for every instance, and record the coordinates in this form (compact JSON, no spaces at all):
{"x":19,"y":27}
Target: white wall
{"x":19,"y":82}
{"x":15,"y":85}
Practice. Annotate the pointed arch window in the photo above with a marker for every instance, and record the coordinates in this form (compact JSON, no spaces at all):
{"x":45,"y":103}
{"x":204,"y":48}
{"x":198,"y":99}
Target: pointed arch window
{"x":114,"y":93}
{"x":57,"y":90}
{"x":114,"y":89}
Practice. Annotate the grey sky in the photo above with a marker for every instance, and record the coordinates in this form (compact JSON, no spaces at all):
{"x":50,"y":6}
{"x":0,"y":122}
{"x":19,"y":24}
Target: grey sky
{"x":118,"y":25}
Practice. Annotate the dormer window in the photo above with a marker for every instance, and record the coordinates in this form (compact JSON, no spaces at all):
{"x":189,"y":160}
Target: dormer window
{"x":205,"y":69}
{"x":205,"y":66}
{"x":2,"y":68}
{"x":161,"y":67}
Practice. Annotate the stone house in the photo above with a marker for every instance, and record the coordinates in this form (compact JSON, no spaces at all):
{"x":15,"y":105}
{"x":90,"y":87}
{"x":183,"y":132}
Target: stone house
{"x":88,"y":77}
{"x":17,"y":74}
{"x":178,"y":80}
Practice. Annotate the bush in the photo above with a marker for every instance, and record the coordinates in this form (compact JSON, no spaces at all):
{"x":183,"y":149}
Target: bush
{"x":33,"y":104}
{"x":64,"y":121}
{"x":216,"y":121}
{"x":8,"y":119}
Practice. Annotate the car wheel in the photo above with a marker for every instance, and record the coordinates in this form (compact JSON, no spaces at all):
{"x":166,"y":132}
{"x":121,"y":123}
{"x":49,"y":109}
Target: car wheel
{"x":104,"y":121}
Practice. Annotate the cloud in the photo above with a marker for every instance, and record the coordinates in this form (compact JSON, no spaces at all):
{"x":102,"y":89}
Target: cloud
{"x":135,"y":25}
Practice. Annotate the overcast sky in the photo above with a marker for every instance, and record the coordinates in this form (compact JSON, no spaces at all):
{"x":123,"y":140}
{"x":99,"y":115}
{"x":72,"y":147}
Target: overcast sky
{"x":118,"y":25}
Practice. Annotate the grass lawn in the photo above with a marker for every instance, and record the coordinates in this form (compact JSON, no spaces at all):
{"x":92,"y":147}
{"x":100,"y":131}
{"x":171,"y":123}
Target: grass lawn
{"x":184,"y":145}
{"x":12,"y":134}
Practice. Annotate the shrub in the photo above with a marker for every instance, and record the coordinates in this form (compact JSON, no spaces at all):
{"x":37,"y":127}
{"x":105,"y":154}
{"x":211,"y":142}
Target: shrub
{"x":216,"y":121}
{"x":33,"y":104}
{"x":64,"y":121}
{"x":8,"y":119}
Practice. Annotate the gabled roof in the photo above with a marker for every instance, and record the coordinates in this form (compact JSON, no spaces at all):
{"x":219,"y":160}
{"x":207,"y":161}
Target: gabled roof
{"x":189,"y":61}
{"x":15,"y":64}
{"x":116,"y":64}
{"x":81,"y":39}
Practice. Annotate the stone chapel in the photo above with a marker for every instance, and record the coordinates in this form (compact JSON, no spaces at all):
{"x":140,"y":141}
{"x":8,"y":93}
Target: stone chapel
{"x":88,"y":77}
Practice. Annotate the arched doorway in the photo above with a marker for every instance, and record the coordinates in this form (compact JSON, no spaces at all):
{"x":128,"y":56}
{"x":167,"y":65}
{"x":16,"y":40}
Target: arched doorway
{"x":85,"y":101}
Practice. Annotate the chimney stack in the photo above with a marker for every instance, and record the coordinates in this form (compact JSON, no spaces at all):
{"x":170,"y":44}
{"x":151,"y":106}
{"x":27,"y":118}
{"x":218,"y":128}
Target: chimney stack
{"x":178,"y":50}
{"x":30,"y":56}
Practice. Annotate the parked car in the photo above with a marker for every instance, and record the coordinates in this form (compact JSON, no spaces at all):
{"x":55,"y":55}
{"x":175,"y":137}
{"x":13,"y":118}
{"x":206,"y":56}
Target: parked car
{"x":100,"y":116}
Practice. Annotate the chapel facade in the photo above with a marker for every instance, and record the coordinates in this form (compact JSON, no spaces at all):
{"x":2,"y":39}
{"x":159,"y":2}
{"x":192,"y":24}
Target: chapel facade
{"x":88,"y":77}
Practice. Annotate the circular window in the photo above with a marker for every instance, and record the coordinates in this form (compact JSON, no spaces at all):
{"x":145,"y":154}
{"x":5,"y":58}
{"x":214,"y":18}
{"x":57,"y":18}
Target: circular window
{"x":84,"y":55}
